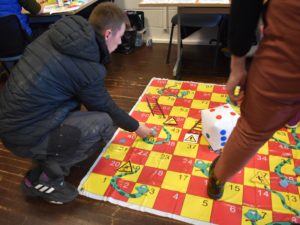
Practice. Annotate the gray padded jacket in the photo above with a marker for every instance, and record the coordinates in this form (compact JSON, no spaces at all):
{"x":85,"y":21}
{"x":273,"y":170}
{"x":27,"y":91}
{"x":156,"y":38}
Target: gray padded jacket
{"x":60,"y":70}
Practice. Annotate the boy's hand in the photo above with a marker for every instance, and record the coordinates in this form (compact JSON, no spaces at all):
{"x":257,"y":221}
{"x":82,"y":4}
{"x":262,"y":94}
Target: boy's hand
{"x":144,"y":131}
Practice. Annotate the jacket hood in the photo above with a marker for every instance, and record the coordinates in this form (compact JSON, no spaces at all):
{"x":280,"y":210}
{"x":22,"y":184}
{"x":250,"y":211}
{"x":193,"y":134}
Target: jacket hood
{"x":74,"y":36}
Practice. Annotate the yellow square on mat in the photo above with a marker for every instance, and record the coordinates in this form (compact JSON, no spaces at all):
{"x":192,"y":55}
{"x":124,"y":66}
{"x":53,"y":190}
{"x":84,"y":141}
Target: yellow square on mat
{"x":282,"y":136}
{"x":292,"y":200}
{"x":142,"y":107}
{"x":174,"y":131}
{"x":296,"y":154}
{"x":139,"y":143}
{"x":190,"y":122}
{"x":115,"y":151}
{"x":264,"y":149}
{"x":217,"y":97}
{"x":173,"y":84}
{"x":159,"y":160}
{"x":186,"y":149}
{"x":132,"y":177}
{"x":179,"y":111}
{"x":148,"y":199}
{"x":256,"y":177}
{"x":197,"y":172}
{"x":188,"y":94}
{"x":248,"y":213}
{"x":96,"y":183}
{"x":287,"y":168}
{"x":205,"y":87}
{"x":152,"y":90}
{"x":233,"y":193}
{"x":200,"y":104}
{"x":176,"y":181}
{"x":203,"y":140}
{"x":156,"y":119}
{"x":167,"y":100}
{"x":197,"y":208}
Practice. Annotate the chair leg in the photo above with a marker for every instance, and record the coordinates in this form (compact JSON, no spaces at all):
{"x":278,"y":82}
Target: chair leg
{"x":170,"y":44}
{"x":217,"y":44}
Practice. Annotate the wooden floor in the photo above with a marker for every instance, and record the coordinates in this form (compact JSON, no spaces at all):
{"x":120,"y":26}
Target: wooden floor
{"x":127,"y":77}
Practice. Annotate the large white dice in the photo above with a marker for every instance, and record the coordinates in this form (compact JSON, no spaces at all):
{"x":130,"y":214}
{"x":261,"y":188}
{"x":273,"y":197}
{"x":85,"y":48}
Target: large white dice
{"x":217,"y":125}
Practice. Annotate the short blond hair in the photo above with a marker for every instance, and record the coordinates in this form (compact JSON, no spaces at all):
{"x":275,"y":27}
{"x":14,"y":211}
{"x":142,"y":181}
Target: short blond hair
{"x":107,"y":16}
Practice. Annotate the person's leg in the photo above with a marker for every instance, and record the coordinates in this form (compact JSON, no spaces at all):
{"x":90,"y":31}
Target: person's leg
{"x":77,"y":137}
{"x":260,"y":118}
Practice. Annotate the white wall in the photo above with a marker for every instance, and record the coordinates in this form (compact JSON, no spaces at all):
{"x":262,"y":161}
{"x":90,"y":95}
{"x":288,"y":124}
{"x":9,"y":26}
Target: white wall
{"x":158,"y":24}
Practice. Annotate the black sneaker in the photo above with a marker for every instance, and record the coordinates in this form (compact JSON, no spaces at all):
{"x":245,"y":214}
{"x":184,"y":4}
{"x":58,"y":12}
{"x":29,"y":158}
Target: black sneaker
{"x":215,"y":188}
{"x":56,"y":191}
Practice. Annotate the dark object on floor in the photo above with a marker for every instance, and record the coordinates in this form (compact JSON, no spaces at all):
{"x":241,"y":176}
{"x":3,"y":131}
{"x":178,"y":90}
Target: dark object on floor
{"x":13,"y":40}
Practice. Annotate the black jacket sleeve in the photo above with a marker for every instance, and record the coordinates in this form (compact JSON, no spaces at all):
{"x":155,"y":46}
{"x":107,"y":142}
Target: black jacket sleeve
{"x":96,"y":98}
{"x":31,"y":6}
{"x":243,"y":20}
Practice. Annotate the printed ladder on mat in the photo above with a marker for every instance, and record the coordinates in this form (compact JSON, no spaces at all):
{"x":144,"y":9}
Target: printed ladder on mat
{"x":167,"y":175}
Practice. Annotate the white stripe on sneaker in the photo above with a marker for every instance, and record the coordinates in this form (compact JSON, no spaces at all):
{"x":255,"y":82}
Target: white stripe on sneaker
{"x":38,"y":186}
{"x":50,"y":190}
{"x":43,"y":189}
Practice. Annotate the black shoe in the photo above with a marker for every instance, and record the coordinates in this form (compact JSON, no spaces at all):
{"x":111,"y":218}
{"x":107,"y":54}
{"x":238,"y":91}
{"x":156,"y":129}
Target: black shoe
{"x":215,"y":188}
{"x":56,"y":191}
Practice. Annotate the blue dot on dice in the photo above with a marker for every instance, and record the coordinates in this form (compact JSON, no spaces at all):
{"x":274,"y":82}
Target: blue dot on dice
{"x":223,"y":132}
{"x":207,"y":135}
{"x":223,"y":138}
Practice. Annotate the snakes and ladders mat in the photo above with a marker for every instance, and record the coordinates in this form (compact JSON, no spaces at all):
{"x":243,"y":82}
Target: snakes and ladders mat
{"x":167,"y":174}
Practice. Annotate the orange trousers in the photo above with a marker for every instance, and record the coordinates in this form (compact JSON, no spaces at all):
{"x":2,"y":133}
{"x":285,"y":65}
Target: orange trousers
{"x":272,"y":94}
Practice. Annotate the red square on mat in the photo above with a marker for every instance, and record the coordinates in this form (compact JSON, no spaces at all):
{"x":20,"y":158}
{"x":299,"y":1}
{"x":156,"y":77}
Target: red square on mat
{"x":195,"y":113}
{"x":169,"y":201}
{"x":137,"y":156}
{"x":124,"y":138}
{"x":276,"y":183}
{"x":170,"y":91}
{"x":275,"y":148}
{"x":189,"y":86}
{"x":151,"y":176}
{"x":125,"y":185}
{"x":220,"y":89}
{"x":151,"y":98}
{"x":107,"y":166}
{"x":259,"y":161}
{"x":158,"y":82}
{"x":140,"y":116}
{"x":181,"y":164}
{"x":292,"y":139}
{"x":197,"y":186}
{"x":205,"y":153}
{"x":165,"y":108}
{"x":215,"y":104}
{"x":168,"y":147}
{"x":282,"y":217}
{"x":238,"y":177}
{"x":224,"y":213}
{"x":199,"y":95}
{"x":257,"y":197}
{"x":184,"y":102}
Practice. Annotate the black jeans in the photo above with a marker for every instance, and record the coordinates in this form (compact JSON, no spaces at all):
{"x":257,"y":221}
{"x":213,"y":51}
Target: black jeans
{"x":75,"y":140}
